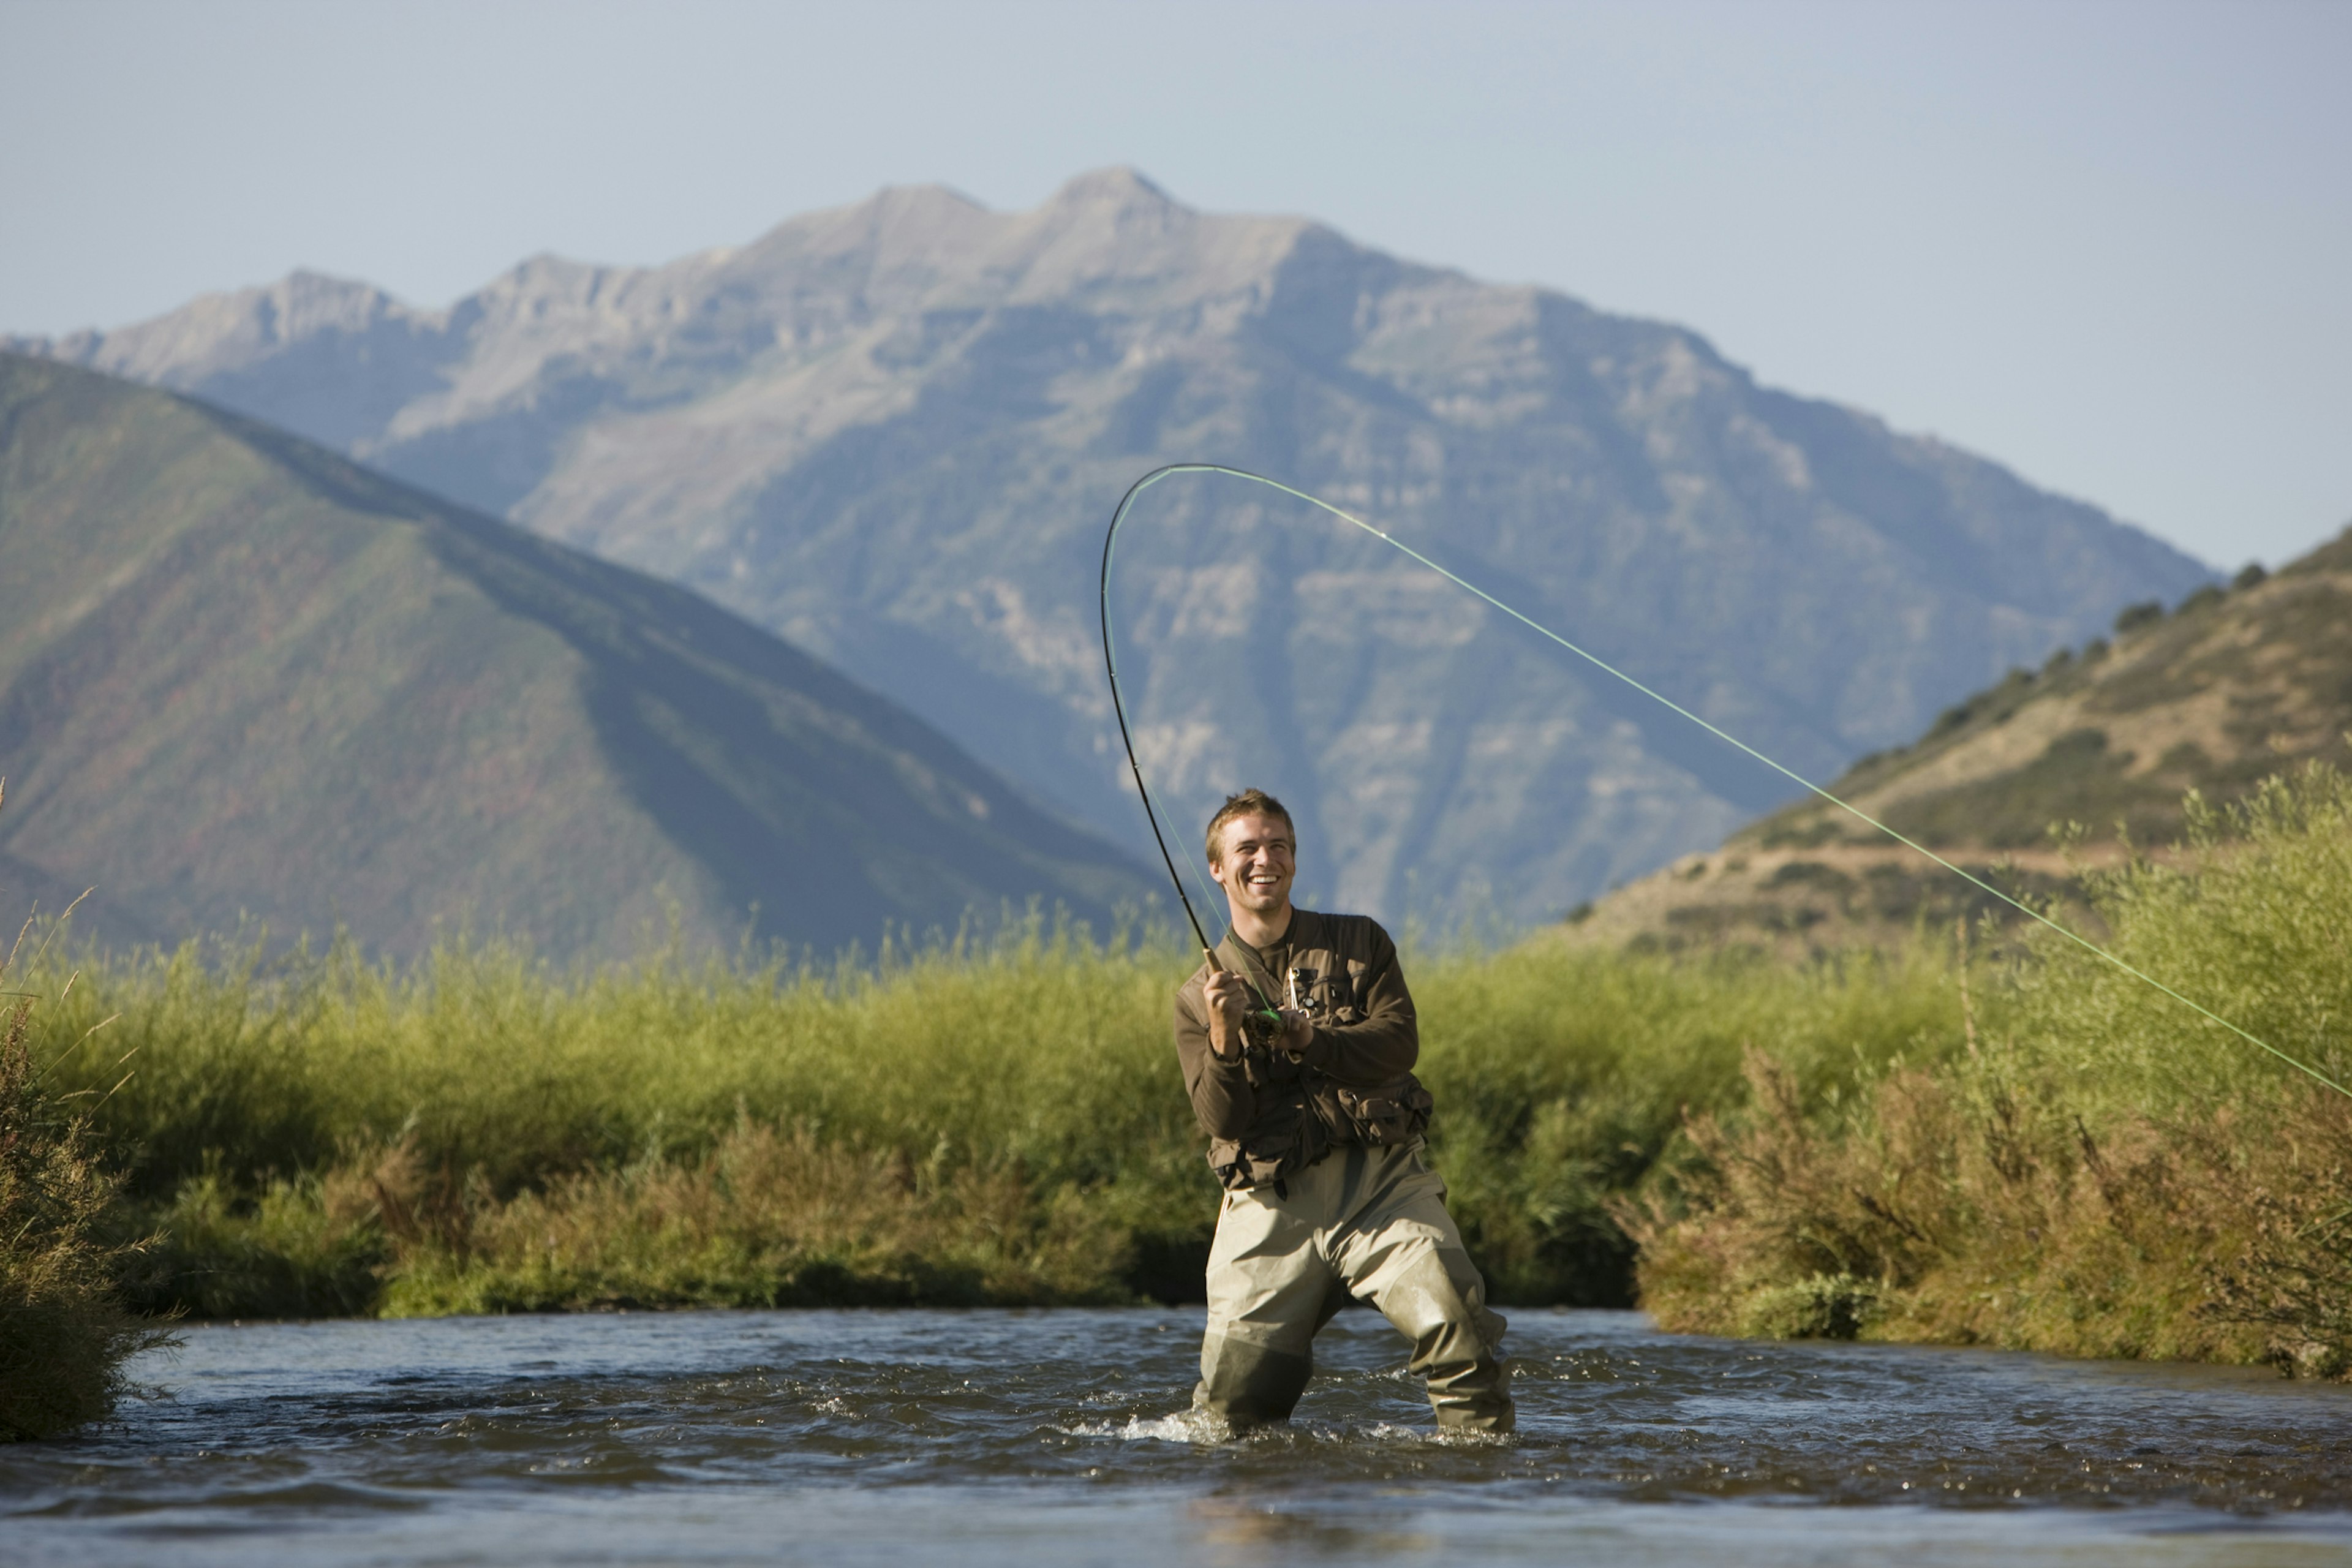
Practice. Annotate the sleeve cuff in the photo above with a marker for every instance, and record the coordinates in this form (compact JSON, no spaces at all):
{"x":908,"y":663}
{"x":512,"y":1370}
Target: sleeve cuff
{"x":1233,"y":1067}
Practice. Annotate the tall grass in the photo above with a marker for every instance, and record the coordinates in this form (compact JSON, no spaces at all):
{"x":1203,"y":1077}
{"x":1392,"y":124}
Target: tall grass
{"x":964,"y":1121}
{"x":2029,"y":1148}
{"x":64,"y":1333}
{"x":1562,"y":1079}
{"x":2099,"y":1170}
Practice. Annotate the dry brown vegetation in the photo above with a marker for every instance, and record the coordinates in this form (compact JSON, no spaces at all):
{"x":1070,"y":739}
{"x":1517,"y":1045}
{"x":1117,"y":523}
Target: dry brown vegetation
{"x":2228,"y":690}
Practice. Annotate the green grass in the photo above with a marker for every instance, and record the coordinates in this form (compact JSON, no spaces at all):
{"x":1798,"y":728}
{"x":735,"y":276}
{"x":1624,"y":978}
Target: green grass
{"x":64,"y":1335}
{"x":2052,"y":1156}
{"x":2099,"y":1170}
{"x":965,"y":1123}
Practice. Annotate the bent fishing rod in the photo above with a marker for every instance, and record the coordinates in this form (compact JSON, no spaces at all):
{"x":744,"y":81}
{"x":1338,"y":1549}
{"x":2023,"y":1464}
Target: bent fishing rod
{"x":1151,"y":811}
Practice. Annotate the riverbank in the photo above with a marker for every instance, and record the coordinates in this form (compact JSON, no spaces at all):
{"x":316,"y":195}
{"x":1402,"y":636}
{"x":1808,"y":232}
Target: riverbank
{"x":997,"y":1122}
{"x":65,"y":1336}
{"x":2100,"y":1171}
{"x":2027,"y":1150}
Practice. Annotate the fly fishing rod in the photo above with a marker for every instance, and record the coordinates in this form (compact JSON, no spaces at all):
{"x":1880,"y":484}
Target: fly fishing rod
{"x":1118,"y":705}
{"x":1266,"y":1011}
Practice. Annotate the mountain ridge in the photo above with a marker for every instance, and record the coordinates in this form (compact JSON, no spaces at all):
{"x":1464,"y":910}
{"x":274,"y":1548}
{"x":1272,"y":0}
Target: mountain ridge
{"x":2030,"y":783}
{"x":240,"y":675}
{"x":892,"y":432}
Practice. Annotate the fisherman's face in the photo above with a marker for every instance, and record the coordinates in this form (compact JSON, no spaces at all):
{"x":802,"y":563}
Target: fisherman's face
{"x":1255,"y":863}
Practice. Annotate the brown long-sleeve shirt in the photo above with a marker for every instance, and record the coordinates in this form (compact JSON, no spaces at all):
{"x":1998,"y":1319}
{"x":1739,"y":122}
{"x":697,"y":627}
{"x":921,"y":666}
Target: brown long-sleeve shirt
{"x":1266,"y":1111}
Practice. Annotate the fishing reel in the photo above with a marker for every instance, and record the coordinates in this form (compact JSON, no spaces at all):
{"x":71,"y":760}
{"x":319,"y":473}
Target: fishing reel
{"x":1262,"y":1028}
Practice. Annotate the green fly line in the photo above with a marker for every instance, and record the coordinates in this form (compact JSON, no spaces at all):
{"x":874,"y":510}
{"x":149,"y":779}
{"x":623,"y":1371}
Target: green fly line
{"x":1118,"y":704}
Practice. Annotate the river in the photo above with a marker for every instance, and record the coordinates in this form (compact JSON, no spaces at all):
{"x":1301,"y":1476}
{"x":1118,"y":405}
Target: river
{"x":1044,"y":1438}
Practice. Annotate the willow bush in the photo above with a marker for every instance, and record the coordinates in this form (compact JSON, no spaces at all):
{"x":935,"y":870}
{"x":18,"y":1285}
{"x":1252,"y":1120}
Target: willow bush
{"x":2100,"y":1170}
{"x":64,"y":1335}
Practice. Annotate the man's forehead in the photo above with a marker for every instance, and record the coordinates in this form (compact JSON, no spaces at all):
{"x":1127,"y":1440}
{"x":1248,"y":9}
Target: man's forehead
{"x":1255,"y":828}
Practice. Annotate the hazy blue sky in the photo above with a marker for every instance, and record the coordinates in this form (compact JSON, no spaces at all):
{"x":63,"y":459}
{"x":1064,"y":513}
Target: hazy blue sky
{"x":2106,"y":244}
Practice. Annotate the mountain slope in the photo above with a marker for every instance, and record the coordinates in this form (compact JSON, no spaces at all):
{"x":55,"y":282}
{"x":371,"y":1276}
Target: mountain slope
{"x":239,"y":675}
{"x":893,"y":432}
{"x":2231,"y":689}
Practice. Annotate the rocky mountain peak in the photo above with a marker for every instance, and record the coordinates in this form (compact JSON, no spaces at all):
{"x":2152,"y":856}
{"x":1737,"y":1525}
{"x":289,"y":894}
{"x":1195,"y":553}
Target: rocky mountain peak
{"x":214,"y":331}
{"x":892,"y":432}
{"x":1119,"y":187}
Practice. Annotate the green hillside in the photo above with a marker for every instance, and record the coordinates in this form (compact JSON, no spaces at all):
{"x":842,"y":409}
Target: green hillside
{"x":2231,"y":688}
{"x":241,"y":677}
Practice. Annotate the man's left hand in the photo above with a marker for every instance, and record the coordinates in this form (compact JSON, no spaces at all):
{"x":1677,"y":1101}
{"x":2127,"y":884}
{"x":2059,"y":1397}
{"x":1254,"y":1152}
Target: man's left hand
{"x":1298,"y":1031}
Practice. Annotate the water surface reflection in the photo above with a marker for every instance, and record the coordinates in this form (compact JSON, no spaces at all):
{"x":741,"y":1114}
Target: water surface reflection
{"x":1055,"y":1437}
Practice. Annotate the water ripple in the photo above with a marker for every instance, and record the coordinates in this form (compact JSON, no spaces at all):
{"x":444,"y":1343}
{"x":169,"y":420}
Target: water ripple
{"x":1033,"y":1436}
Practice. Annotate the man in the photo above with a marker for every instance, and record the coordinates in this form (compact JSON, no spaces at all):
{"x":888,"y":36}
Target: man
{"x":1297,"y":1039}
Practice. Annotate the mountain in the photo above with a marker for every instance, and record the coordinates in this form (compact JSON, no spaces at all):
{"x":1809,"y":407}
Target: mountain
{"x":240,"y":675}
{"x":2231,"y":689}
{"x":893,"y":433}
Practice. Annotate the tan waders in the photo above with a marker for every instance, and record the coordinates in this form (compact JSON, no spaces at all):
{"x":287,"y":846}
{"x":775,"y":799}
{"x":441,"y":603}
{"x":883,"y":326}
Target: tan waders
{"x":1366,"y":1222}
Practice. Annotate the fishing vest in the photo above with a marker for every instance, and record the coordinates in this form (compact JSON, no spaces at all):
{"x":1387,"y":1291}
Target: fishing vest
{"x":1302,"y":1112}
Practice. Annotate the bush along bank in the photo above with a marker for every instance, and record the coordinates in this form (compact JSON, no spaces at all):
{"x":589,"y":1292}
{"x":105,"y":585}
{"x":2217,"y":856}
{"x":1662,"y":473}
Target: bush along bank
{"x":2098,"y":1171}
{"x":64,"y":1335}
{"x":998,"y":1123}
{"x":2031,"y":1150}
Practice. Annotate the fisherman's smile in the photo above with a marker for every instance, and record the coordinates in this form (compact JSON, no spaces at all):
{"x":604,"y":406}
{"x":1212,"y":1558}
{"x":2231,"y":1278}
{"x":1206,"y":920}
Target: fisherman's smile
{"x":1259,"y":863}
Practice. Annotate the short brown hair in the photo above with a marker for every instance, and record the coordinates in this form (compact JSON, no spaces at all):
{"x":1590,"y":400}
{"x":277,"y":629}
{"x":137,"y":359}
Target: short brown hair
{"x":1249,"y":803}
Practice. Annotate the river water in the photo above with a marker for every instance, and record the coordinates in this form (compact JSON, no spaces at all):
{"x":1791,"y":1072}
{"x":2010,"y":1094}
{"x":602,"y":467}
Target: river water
{"x":1043,"y":1439}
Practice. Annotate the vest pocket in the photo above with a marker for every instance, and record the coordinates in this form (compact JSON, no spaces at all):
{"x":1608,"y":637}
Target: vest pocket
{"x":1391,"y":1114}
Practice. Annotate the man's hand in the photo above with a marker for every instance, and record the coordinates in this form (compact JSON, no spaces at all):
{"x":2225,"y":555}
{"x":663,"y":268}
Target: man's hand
{"x":1298,"y":1031}
{"x":1228,"y":996}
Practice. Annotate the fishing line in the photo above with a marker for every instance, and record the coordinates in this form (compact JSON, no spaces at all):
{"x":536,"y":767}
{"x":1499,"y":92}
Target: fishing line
{"x":1118,"y":704}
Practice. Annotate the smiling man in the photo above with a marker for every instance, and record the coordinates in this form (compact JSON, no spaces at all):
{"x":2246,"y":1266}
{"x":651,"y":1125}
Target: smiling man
{"x":1297,"y":1038}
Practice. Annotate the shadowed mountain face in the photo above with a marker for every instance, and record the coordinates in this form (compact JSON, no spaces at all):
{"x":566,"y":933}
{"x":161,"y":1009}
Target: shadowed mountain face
{"x":239,"y":675}
{"x":893,"y":433}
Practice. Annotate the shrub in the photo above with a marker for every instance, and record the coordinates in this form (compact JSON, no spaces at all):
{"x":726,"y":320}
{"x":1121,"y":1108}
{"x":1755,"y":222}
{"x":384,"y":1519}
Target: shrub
{"x":2103,"y":1172}
{"x":64,"y":1333}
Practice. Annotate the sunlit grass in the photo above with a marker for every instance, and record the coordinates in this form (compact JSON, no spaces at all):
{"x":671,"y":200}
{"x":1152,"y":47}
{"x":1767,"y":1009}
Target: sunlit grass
{"x":315,"y":1133}
{"x":2103,"y":1171}
{"x":2067,"y":1160}
{"x":64,"y":1333}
